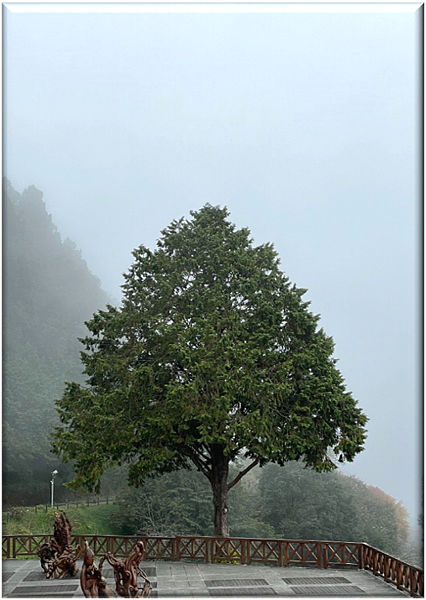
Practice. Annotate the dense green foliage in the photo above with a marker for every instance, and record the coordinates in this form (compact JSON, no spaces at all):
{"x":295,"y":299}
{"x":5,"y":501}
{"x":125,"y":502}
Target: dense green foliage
{"x":48,"y":292}
{"x":288,"y":502}
{"x":174,"y":504}
{"x":302,"y":504}
{"x":212,"y":356}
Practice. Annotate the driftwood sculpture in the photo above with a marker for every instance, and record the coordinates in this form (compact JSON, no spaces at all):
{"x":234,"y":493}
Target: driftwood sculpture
{"x":58,"y":557}
{"x":93,"y":583}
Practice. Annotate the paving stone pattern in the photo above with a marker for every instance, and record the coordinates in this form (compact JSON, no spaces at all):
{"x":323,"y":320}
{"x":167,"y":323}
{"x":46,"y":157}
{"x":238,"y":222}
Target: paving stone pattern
{"x":35,"y":576}
{"x":329,"y":590}
{"x":234,"y":582}
{"x":314,"y":580}
{"x":25,"y":579}
{"x":242,"y":591}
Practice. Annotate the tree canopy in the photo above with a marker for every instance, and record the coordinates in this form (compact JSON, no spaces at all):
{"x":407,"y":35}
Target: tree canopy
{"x":213,"y":355}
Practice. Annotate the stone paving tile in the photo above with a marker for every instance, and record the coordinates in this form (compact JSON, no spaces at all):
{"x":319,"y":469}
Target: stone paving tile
{"x":189,"y":580}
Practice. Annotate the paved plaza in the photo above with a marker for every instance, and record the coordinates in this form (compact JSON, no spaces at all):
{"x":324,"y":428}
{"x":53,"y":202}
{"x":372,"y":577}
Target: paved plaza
{"x":25,"y":579}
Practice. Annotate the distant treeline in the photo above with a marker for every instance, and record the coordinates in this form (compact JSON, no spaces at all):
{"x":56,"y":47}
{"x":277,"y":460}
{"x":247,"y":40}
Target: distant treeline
{"x":289,"y":502}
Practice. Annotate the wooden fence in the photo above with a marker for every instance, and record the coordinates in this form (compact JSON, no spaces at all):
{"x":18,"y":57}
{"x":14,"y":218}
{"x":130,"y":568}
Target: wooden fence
{"x":9,"y":514}
{"x":397,"y":572}
{"x":282,"y":553}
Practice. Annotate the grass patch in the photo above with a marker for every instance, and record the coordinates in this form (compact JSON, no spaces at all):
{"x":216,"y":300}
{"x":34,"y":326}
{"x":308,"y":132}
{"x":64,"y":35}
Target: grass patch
{"x":96,"y":520}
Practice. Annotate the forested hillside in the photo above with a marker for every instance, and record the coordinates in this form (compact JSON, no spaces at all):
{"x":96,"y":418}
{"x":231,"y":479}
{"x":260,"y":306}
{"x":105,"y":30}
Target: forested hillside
{"x":48,"y":293}
{"x":289,"y":502}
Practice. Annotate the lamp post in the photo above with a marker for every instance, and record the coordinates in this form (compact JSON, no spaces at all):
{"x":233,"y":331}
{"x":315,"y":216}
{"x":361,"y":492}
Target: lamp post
{"x":52,"y":482}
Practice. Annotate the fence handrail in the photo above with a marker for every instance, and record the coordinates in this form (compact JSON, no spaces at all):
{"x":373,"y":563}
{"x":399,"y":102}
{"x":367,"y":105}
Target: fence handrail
{"x":93,"y":500}
{"x":281,"y":552}
{"x":404,"y":576}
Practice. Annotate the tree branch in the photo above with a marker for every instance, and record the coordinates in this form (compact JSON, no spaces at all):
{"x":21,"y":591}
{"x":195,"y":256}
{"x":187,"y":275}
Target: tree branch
{"x":242,"y":473}
{"x":198,"y":462}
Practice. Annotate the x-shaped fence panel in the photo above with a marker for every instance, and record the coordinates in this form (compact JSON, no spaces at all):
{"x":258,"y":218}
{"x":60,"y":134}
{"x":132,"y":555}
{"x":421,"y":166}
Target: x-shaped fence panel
{"x":306,"y":553}
{"x":341,"y":553}
{"x":265,"y":551}
{"x":192,"y":547}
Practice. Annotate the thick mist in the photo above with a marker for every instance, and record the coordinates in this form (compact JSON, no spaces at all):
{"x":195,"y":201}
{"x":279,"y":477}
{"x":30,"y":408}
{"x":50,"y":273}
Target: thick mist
{"x":305,"y":125}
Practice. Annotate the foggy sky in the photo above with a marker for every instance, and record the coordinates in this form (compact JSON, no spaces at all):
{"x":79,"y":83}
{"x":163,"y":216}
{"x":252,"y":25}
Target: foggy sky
{"x":305,"y":125}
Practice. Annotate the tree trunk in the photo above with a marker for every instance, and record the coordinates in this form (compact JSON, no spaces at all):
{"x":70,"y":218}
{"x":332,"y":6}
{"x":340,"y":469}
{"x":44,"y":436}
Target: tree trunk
{"x":219,"y":483}
{"x":221,"y":528}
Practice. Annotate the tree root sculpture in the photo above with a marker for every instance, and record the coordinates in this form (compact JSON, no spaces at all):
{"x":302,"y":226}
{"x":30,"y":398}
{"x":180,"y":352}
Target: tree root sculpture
{"x":58,"y":557}
{"x":93,"y":583}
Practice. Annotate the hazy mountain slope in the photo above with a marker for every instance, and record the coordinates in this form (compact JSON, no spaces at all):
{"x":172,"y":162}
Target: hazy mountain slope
{"x":48,"y":293}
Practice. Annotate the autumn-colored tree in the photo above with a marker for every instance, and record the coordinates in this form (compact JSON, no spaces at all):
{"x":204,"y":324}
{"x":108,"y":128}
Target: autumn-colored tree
{"x":388,"y":515}
{"x":302,"y":504}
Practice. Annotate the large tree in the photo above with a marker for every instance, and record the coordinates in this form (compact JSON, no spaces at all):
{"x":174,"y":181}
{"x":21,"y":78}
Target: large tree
{"x":212,"y":355}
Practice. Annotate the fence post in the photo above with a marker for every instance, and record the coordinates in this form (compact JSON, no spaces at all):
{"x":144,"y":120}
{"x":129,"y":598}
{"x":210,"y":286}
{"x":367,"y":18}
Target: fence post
{"x":209,"y":550}
{"x":243,"y":558}
{"x":280,"y":555}
{"x":324,"y":557}
{"x":413,"y":586}
{"x":321,"y":556}
{"x":248,"y":554}
{"x":174,"y":549}
{"x":286,"y":554}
